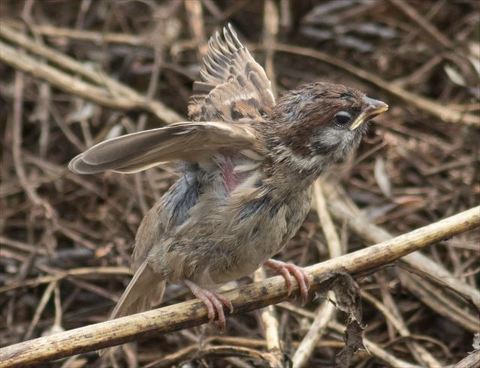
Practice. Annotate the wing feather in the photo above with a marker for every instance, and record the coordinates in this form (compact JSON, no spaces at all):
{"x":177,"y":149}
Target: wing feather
{"x":180,"y":141}
{"x":234,"y":86}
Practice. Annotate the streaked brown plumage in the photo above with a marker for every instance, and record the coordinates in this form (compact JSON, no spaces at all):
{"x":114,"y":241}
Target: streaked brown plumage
{"x":248,"y":166}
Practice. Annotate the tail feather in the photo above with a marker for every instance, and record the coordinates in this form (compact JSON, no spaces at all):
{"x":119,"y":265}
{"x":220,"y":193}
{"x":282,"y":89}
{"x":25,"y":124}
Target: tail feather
{"x":140,"y":292}
{"x":144,"y":289}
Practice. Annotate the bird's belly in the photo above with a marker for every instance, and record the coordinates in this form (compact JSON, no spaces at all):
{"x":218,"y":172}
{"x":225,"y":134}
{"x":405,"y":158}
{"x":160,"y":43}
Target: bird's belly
{"x":245,"y":263}
{"x":257,"y":237}
{"x":223,"y":241}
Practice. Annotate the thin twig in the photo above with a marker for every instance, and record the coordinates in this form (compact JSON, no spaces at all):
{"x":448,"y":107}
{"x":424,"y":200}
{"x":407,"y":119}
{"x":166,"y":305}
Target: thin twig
{"x":76,"y":272}
{"x":419,"y":262}
{"x":270,"y":33}
{"x":422,"y":356}
{"x":101,"y":89}
{"x":472,"y":360}
{"x":423,"y":23}
{"x":372,"y":347}
{"x":377,"y":351}
{"x":326,"y":311}
{"x":269,"y":318}
{"x":82,"y":35}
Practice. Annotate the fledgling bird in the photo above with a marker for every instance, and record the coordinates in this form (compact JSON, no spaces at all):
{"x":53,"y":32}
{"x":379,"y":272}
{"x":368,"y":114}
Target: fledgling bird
{"x":249,"y":163}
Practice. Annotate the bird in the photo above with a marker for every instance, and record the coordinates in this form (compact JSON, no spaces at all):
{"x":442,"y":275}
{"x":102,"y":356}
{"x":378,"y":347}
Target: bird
{"x":246,"y":167}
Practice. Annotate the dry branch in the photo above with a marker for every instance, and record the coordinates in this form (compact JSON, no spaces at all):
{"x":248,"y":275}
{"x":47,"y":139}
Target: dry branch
{"x":80,"y":34}
{"x":97,"y":86}
{"x":373,"y":348}
{"x":472,"y":360}
{"x":271,"y":328}
{"x":326,"y":311}
{"x":247,"y":298}
{"x":72,"y":273}
{"x":418,"y":262}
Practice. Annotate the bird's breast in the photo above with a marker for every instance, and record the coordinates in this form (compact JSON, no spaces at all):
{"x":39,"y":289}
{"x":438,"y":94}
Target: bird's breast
{"x":258,"y":230}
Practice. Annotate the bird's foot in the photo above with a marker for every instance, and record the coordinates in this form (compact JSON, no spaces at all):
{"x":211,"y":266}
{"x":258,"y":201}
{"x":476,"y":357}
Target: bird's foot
{"x":214,"y":303}
{"x":287,"y":270}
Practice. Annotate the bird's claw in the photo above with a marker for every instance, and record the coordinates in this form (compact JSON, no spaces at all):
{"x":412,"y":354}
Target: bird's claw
{"x":213,"y":302}
{"x":287,"y":270}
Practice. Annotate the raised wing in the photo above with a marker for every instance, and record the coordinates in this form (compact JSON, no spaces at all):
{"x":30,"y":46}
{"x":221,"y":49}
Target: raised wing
{"x":234,"y":85}
{"x":181,"y":141}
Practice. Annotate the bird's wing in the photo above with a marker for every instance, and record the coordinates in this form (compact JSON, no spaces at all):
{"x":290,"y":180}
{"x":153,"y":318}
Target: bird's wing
{"x":180,"y":141}
{"x":234,"y":86}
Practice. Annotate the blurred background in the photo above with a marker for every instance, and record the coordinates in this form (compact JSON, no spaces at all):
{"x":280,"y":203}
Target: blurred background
{"x":74,"y":72}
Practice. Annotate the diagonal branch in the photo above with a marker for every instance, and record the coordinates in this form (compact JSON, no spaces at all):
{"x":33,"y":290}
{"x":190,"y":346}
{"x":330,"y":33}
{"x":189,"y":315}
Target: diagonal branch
{"x":247,"y":298}
{"x":418,"y":263}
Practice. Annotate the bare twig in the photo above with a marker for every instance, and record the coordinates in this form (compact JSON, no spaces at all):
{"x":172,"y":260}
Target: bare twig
{"x":422,"y":356}
{"x":76,"y":272}
{"x":472,"y":360}
{"x":220,"y":351}
{"x":333,"y":241}
{"x":326,"y":311}
{"x":196,"y":22}
{"x":270,"y":33}
{"x":377,"y":351}
{"x":100,"y":89}
{"x":40,"y":308}
{"x":416,"y":262}
{"x":82,"y":35}
{"x":324,"y":314}
{"x":372,"y":347}
{"x":422,"y":22}
{"x":271,"y":327}
{"x":17,"y":148}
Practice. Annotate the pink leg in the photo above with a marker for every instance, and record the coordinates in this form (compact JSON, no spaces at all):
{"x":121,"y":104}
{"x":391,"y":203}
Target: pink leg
{"x":287,"y":270}
{"x":213,"y":301}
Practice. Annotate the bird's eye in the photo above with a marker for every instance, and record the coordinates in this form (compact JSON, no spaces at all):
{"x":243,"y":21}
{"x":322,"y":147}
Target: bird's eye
{"x":343,"y":118}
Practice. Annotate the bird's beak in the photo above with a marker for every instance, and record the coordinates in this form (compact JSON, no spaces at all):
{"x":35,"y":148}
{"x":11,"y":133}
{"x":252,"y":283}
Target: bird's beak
{"x":372,"y":109}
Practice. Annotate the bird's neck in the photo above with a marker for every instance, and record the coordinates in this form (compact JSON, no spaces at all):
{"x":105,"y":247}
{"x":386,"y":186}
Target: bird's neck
{"x":285,"y":167}
{"x":286,"y":172}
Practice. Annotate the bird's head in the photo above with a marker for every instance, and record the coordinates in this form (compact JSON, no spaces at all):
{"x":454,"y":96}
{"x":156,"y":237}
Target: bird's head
{"x":320,"y":123}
